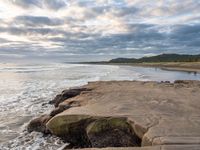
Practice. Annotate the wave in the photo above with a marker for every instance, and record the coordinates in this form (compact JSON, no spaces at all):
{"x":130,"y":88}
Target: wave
{"x":36,"y":68}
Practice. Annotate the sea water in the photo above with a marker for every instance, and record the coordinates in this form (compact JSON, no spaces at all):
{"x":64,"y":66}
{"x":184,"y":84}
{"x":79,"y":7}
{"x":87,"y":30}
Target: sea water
{"x":25,"y":91}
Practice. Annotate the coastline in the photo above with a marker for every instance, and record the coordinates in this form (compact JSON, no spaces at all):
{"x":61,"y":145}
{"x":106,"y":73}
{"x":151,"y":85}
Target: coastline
{"x":186,"y":67}
{"x":193,"y":67}
{"x":81,"y":117}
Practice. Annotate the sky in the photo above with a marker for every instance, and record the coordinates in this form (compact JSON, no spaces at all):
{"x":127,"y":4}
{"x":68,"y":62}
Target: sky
{"x":88,"y":30}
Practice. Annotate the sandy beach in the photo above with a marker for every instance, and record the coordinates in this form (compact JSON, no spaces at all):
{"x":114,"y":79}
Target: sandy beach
{"x":171,"y":66}
{"x":177,"y":66}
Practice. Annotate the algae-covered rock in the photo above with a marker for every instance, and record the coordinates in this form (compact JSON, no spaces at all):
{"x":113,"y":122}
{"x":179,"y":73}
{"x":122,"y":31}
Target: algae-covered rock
{"x":112,"y":132}
{"x":92,"y":131}
{"x":71,"y":128}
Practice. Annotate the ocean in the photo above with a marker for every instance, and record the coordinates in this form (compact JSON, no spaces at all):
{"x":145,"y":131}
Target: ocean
{"x":25,"y":91}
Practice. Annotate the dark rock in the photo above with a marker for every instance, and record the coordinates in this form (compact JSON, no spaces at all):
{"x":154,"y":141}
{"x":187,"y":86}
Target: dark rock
{"x":112,"y":132}
{"x":71,"y":129}
{"x":187,"y":82}
{"x":83,"y":131}
{"x":165,"y":81}
{"x":182,"y":82}
{"x":64,"y":106}
{"x":44,"y":104}
{"x":66,"y":94}
{"x":58,"y":110}
{"x":39,"y":124}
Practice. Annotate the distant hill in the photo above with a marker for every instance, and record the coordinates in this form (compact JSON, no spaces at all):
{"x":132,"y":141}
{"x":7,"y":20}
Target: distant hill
{"x":159,"y":58}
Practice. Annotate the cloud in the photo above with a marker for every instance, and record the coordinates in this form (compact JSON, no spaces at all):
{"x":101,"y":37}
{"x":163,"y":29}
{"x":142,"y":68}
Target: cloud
{"x":51,"y":4}
{"x":37,"y":21}
{"x":108,"y":28}
{"x":55,"y":4}
{"x":26,"y":3}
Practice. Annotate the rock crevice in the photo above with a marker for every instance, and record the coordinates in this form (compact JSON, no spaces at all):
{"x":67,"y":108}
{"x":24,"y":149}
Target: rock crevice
{"x":94,"y":131}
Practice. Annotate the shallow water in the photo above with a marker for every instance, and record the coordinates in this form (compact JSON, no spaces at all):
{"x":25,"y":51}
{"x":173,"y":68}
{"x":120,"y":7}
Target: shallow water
{"x":25,"y":91}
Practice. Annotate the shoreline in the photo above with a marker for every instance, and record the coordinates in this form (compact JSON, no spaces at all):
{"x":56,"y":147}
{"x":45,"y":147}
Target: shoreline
{"x":185,"y":67}
{"x":193,"y":67}
{"x":129,"y":118}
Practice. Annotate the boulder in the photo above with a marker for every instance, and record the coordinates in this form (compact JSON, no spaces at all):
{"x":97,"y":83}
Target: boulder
{"x":66,"y":94}
{"x":71,"y":129}
{"x":39,"y":124}
{"x":92,"y":131}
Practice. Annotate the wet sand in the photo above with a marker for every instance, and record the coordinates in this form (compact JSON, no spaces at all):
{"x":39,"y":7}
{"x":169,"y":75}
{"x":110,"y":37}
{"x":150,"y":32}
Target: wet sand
{"x":172,"y":66}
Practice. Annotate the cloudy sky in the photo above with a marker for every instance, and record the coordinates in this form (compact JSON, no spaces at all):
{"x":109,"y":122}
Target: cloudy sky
{"x":97,"y":29}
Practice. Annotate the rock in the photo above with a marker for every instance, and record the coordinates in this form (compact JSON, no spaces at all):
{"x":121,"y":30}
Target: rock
{"x":112,"y":132}
{"x":161,"y":115}
{"x":182,"y":81}
{"x":71,"y":129}
{"x":58,"y":110}
{"x":186,"y":83}
{"x":39,"y":124}
{"x":66,"y":94}
{"x":91,"y":131}
{"x":64,"y":106}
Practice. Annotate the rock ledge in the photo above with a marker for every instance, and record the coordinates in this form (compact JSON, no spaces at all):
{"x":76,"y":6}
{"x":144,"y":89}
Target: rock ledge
{"x":152,"y":115}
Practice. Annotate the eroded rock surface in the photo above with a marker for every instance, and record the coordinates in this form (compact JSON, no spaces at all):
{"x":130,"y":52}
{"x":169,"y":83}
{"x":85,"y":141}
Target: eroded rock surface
{"x":157,"y":115}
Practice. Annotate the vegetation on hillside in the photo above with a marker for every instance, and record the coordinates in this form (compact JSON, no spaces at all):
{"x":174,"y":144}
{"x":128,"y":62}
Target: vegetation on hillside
{"x":159,"y":58}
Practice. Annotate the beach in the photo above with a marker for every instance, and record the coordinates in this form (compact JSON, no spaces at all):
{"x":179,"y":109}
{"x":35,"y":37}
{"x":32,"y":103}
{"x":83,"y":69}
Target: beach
{"x":171,"y":66}
{"x":177,"y":66}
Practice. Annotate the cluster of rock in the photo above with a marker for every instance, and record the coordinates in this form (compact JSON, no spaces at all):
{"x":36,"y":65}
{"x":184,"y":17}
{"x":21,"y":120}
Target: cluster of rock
{"x":84,"y":130}
{"x":39,"y":124}
{"x":125,"y":114}
{"x":89,"y":131}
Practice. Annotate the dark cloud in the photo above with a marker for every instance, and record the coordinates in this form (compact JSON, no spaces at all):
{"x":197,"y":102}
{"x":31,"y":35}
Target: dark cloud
{"x":51,"y":4}
{"x":37,"y":21}
{"x":55,"y":4}
{"x":187,"y":29}
{"x":187,"y":35}
{"x":30,"y":31}
{"x":26,"y":3}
